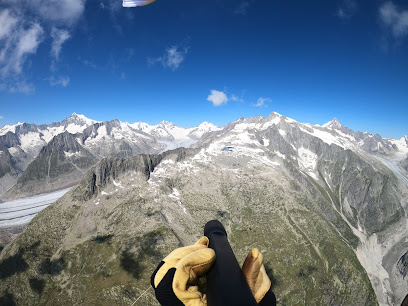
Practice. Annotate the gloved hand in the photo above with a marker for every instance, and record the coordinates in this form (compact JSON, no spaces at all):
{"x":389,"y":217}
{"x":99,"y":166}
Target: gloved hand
{"x":257,"y":279}
{"x":175,"y":279}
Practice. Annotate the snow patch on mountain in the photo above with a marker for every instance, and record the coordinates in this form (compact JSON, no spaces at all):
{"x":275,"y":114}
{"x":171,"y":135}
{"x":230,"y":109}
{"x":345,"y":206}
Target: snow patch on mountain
{"x":9,"y":128}
{"x":72,"y":154}
{"x":187,"y":167}
{"x":279,"y":154}
{"x":402,"y":145}
{"x":202,"y":129}
{"x":175,"y":195}
{"x":13,"y":150}
{"x":324,"y":135}
{"x":127,"y":132}
{"x":172,"y":136}
{"x":307,"y":161}
{"x":84,"y":119}
{"x":265,"y":142}
{"x":50,"y":132}
{"x":31,"y":142}
{"x":262,"y":123}
{"x":282,"y":132}
{"x":118,"y":184}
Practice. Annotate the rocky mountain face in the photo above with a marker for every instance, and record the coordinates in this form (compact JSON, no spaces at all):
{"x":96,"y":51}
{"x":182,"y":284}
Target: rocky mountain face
{"x":325,"y":205}
{"x":404,"y":165}
{"x":114,"y":138}
{"x":60,"y":164}
{"x":8,"y":169}
{"x":23,"y":144}
{"x":368,"y":142}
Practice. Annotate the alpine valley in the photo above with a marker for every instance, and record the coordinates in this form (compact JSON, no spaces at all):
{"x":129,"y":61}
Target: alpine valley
{"x":326,"y":206}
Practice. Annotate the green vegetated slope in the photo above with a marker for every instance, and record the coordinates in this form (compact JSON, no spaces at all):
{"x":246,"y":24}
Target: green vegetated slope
{"x":100,"y":249}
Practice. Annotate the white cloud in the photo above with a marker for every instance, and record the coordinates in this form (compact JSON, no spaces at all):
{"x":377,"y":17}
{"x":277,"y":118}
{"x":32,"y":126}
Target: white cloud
{"x":29,"y":40}
{"x":16,"y":47}
{"x":63,"y":11}
{"x":62,"y":81}
{"x":243,"y":6}
{"x":1,"y":117}
{"x":21,"y":87}
{"x":115,"y":10}
{"x":87,"y":63}
{"x":347,"y":9}
{"x":394,"y":20}
{"x":262,"y":102}
{"x":59,"y":36}
{"x":217,"y":97}
{"x":235,"y":98}
{"x":172,"y":58}
{"x":7,"y":23}
{"x":24,"y":26}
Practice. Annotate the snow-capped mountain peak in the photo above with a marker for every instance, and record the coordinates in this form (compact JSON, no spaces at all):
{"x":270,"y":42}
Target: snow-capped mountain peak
{"x":166,"y":123}
{"x":141,"y":126}
{"x":275,"y":114}
{"x":169,"y":130}
{"x":275,"y":117}
{"x":207,"y":126}
{"x":9,"y":128}
{"x":333,"y":124}
{"x":78,"y":120}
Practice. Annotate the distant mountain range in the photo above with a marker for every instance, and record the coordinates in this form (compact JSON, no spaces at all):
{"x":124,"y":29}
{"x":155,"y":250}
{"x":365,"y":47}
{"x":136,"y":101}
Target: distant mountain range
{"x":49,"y":164}
{"x":41,"y":158}
{"x":327,"y":207}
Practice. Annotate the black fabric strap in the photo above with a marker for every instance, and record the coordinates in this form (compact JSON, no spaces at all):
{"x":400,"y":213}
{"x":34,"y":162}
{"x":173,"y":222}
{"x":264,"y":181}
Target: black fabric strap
{"x":269,"y":299}
{"x":164,"y":291}
{"x":154,"y":273}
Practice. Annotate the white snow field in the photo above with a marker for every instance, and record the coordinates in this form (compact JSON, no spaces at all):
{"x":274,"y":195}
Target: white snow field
{"x":19,"y":212}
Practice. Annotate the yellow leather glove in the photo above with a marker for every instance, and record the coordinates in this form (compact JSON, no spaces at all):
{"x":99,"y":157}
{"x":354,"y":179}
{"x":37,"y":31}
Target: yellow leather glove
{"x":175,"y":279}
{"x":257,"y":279}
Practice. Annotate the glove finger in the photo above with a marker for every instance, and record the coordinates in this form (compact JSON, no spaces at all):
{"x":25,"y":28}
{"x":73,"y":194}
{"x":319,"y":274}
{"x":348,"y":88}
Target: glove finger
{"x":251,"y":266}
{"x":255,"y":274}
{"x":188,"y":271}
{"x":183,"y":251}
{"x":204,"y":241}
{"x":173,"y":258}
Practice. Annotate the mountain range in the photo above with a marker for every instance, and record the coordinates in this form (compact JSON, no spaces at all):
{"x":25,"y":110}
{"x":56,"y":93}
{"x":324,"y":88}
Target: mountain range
{"x":41,"y":158}
{"x":327,"y":207}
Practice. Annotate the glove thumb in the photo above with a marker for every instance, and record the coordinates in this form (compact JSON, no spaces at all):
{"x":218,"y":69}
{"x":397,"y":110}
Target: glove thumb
{"x":255,"y":274}
{"x":188,"y":270}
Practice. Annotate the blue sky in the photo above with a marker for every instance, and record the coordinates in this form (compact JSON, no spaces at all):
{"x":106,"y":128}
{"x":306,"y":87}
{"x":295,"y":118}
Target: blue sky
{"x":189,"y":61}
